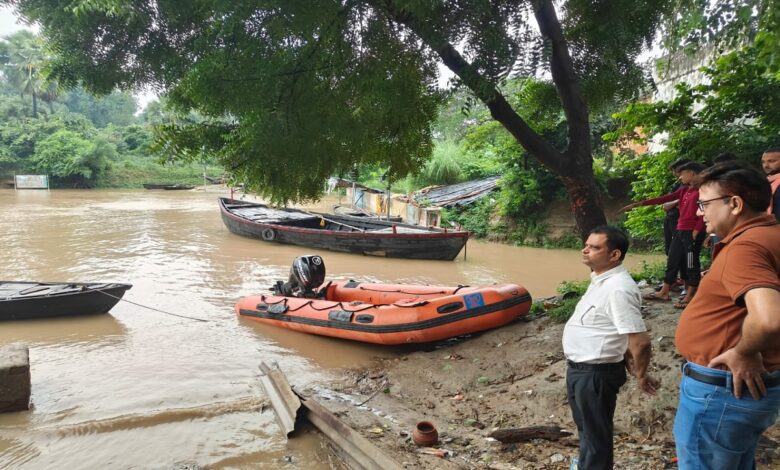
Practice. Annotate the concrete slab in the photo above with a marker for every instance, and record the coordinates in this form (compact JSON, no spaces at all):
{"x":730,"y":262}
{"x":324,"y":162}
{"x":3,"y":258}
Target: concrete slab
{"x":15,"y":384}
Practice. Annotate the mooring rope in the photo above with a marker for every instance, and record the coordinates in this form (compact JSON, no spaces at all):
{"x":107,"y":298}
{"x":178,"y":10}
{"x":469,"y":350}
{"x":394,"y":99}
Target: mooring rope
{"x":151,"y":308}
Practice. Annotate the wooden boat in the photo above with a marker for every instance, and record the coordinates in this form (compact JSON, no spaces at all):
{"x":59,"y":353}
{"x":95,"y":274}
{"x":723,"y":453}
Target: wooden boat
{"x":391,"y":313}
{"x":335,"y":232}
{"x":27,"y":300}
{"x":216,"y":179}
{"x":169,"y":187}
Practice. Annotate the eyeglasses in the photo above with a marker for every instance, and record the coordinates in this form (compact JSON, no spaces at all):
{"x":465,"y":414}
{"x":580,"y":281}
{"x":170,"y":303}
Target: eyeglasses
{"x":702,"y":204}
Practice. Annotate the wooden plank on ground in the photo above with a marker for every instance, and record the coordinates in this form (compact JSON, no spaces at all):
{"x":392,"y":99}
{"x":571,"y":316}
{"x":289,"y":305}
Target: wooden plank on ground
{"x":285,"y":403}
{"x":357,"y":451}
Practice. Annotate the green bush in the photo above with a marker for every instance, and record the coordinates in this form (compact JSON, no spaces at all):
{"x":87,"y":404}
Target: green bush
{"x":133,"y":172}
{"x":571,"y":291}
{"x":576,"y":288}
{"x":650,"y":272}
{"x":475,"y":217}
{"x":564,"y":311}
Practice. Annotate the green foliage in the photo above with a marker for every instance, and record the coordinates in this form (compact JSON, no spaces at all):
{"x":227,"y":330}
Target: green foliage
{"x":571,"y":291}
{"x":136,"y":138}
{"x":67,"y":156}
{"x":526,"y":185}
{"x":564,"y":311}
{"x":573,"y":288}
{"x":737,"y":111}
{"x":693,"y":25}
{"x":131,"y":172}
{"x":116,"y":108}
{"x":69,"y":147}
{"x":650,"y":272}
{"x":521,"y":195}
{"x":476,"y":218}
{"x":569,"y":240}
{"x":293,"y":92}
{"x":444,"y":167}
{"x":537,"y":308}
{"x":22,"y":66}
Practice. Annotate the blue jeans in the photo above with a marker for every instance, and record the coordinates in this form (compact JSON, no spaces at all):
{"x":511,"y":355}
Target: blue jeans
{"x":714,"y":430}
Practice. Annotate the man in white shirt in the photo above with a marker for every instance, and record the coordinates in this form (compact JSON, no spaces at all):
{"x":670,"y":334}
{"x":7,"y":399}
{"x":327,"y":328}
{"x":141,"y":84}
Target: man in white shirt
{"x":605,"y":336}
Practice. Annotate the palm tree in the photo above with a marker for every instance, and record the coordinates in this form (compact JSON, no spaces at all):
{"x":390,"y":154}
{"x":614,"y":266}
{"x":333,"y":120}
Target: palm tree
{"x":23,"y":59}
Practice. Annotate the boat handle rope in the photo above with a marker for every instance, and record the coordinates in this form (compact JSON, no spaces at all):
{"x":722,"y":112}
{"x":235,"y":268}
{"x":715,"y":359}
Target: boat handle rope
{"x":400,"y":291}
{"x":151,"y":308}
{"x":310,"y":303}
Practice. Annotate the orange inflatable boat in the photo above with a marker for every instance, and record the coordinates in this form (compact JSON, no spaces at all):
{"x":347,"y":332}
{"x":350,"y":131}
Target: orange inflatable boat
{"x":390,"y":313}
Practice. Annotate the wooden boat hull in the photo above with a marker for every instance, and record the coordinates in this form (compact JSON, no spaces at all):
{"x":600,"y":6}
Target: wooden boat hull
{"x":395,"y":241}
{"x":169,"y":187}
{"x":42,"y":300}
{"x":391,"y":313}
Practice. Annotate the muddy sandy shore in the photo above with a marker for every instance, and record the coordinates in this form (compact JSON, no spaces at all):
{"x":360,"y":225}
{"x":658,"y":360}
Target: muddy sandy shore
{"x":512,"y":377}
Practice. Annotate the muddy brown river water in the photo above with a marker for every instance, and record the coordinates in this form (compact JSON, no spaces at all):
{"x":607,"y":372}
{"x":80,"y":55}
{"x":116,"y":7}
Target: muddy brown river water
{"x":141,"y":389}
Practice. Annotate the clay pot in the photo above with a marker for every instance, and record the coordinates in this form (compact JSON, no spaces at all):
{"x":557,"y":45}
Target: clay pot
{"x":425,"y":434}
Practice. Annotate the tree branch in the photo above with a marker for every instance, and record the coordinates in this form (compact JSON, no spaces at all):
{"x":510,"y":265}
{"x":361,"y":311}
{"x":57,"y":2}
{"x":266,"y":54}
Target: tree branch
{"x":565,"y":78}
{"x":499,"y":108}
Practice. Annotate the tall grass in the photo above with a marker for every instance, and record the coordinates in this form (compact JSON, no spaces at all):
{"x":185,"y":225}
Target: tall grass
{"x":134,"y":172}
{"x":444,"y":167}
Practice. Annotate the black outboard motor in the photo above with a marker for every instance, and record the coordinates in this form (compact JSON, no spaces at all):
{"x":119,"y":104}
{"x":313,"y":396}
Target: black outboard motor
{"x":306,"y":274}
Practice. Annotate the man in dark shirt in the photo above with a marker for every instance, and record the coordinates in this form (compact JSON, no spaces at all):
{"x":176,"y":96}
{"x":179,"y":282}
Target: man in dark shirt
{"x":770,"y":161}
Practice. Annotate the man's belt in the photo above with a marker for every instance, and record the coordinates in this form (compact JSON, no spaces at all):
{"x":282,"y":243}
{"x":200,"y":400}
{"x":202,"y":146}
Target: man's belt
{"x":600,"y":367}
{"x":721,"y":380}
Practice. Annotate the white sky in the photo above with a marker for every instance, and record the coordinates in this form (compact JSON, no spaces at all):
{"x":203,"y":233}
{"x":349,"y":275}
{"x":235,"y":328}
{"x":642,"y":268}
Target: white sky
{"x":9,"y":22}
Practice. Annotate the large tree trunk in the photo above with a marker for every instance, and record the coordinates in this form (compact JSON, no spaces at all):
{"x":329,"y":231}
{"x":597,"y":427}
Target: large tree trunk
{"x":585,"y":201}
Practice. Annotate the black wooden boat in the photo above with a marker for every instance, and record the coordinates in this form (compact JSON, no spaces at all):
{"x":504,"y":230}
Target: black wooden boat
{"x":27,"y":300}
{"x":169,"y":187}
{"x":360,"y":235}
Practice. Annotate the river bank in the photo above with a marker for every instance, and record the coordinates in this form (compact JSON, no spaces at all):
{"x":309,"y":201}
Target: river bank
{"x":512,"y":377}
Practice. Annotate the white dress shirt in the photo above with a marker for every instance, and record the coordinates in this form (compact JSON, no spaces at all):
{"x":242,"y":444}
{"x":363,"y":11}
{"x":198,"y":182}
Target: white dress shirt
{"x":597,"y":332}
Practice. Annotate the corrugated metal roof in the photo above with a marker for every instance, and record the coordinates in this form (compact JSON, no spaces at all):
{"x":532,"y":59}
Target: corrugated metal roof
{"x":454,"y":195}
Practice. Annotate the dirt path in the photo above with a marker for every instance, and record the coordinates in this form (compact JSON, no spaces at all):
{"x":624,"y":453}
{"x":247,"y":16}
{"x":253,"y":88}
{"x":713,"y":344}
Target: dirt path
{"x":510,"y":377}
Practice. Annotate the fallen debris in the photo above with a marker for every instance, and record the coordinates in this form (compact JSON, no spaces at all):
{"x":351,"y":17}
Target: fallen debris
{"x":285,"y":403}
{"x":357,"y":451}
{"x":550,"y":433}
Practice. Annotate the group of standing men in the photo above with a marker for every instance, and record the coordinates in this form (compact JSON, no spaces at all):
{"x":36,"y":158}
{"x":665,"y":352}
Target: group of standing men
{"x":728,"y":334}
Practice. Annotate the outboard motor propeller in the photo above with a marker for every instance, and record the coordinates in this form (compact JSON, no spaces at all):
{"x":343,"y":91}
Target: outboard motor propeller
{"x":306,"y":274}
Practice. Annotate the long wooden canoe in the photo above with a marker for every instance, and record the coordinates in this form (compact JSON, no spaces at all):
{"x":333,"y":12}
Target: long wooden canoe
{"x":359,"y":235}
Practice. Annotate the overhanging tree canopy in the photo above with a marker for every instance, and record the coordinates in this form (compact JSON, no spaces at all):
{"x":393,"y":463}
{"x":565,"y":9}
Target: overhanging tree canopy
{"x":293,"y":91}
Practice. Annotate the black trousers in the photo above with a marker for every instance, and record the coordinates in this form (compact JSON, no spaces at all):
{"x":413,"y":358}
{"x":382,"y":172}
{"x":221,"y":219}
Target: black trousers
{"x":592,"y":390}
{"x":670,"y":227}
{"x":670,"y":231}
{"x":684,"y":257}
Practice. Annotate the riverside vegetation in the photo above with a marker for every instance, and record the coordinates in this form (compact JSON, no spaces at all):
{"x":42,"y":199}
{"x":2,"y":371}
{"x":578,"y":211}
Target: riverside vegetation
{"x":50,"y":124}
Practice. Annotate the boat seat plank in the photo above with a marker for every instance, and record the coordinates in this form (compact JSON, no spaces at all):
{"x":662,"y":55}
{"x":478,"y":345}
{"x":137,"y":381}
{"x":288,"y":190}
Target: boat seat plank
{"x":401,"y":230}
{"x":270,"y":216}
{"x":33,"y":290}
